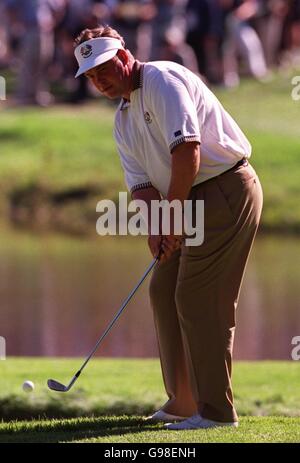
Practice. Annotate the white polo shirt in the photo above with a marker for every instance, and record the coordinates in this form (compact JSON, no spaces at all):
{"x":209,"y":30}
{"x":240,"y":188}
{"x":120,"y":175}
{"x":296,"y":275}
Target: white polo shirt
{"x":171,"y":106}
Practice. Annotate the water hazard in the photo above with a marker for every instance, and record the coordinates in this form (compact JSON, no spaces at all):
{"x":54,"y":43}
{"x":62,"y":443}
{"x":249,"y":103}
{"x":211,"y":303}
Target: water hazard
{"x":58,"y":294}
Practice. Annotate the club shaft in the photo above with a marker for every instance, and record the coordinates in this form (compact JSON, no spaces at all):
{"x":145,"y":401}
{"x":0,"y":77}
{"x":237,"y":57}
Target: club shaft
{"x":155,"y":260}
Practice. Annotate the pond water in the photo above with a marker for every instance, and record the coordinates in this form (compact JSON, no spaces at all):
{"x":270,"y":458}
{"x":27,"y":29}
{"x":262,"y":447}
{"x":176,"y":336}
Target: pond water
{"x":58,"y":294}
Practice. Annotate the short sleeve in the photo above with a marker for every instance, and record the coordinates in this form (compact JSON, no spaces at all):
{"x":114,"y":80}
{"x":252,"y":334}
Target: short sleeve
{"x":135,"y":176}
{"x":172,"y":105}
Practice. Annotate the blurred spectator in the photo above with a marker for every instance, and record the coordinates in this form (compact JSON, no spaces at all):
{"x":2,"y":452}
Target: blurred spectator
{"x":242,"y":41}
{"x":291,"y":57}
{"x":78,"y":14}
{"x":198,"y":27}
{"x":129,"y":17}
{"x":169,"y":14}
{"x":33,"y":23}
{"x":3,"y":37}
{"x":221,"y":39}
{"x":174,"y":48}
{"x":271,"y":29}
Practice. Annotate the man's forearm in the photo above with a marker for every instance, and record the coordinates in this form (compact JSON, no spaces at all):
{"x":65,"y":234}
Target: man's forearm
{"x":147,"y":195}
{"x":185,"y":167}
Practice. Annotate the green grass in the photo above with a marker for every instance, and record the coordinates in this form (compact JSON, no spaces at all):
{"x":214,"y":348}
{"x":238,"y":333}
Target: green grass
{"x":61,"y":147}
{"x":125,"y":429}
{"x":64,"y":147}
{"x":111,"y":398}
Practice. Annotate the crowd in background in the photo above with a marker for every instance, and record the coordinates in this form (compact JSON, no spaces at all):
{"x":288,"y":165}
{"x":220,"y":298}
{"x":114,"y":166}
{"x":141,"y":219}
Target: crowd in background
{"x":220,"y":39}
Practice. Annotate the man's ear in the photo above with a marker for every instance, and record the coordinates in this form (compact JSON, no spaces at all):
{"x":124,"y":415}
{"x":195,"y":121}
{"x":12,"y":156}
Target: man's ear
{"x":122,"y":55}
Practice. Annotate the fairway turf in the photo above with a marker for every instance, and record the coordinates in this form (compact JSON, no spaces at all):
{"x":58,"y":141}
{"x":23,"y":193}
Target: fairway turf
{"x":125,"y":429}
{"x":112,"y":397}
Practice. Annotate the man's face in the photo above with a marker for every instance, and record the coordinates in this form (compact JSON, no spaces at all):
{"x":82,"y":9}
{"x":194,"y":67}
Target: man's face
{"x":109,"y":78}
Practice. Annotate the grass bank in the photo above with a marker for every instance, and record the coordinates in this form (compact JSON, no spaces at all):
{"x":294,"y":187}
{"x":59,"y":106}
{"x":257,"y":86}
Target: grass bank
{"x":109,"y":402}
{"x":56,"y":163}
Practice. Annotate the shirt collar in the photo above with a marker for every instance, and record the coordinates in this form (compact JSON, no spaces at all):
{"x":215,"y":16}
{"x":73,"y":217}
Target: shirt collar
{"x":137,"y":71}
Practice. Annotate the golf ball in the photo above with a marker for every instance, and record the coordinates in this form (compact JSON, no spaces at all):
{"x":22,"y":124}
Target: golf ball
{"x":28,"y":386}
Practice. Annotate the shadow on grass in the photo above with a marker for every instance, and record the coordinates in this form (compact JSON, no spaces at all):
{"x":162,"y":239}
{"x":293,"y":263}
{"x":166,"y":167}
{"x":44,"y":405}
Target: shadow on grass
{"x":75,"y":405}
{"x":73,"y":430}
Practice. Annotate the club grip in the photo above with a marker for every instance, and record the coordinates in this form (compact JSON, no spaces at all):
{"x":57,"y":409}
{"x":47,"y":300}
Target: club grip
{"x":160,"y":253}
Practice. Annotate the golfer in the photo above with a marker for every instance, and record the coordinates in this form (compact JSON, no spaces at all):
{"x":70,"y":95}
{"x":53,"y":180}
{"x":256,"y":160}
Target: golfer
{"x":176,"y":141}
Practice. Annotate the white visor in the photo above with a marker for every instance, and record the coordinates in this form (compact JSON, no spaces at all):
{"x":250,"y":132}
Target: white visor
{"x":93,"y":52}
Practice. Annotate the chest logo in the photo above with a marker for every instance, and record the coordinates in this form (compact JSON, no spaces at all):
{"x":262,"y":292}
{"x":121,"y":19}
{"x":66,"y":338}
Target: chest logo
{"x":147,"y":117}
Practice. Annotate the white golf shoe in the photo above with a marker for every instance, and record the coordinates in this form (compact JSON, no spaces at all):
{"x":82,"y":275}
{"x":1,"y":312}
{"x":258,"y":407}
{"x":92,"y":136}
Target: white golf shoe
{"x":160,"y":415}
{"x":197,"y":422}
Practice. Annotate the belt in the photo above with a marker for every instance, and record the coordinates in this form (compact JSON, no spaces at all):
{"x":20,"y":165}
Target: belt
{"x":241,"y":162}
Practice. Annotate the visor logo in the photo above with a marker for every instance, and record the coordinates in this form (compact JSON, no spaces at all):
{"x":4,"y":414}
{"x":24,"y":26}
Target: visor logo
{"x":86,"y":50}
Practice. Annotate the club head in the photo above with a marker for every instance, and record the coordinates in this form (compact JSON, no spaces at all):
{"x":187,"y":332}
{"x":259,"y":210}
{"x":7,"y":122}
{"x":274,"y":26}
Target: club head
{"x":56,"y":386}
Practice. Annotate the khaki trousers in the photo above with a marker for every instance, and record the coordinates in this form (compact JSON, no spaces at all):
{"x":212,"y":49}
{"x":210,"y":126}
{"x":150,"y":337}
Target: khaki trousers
{"x":194,"y":296}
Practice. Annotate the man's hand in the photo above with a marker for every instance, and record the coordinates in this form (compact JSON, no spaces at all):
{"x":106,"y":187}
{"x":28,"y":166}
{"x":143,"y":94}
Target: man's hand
{"x":167,"y":245}
{"x":170,"y":244}
{"x":154,"y":243}
{"x":185,"y":167}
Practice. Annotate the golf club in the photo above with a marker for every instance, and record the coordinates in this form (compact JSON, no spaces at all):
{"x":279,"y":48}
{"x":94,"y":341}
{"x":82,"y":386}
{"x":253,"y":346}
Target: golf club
{"x":59,"y":387}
